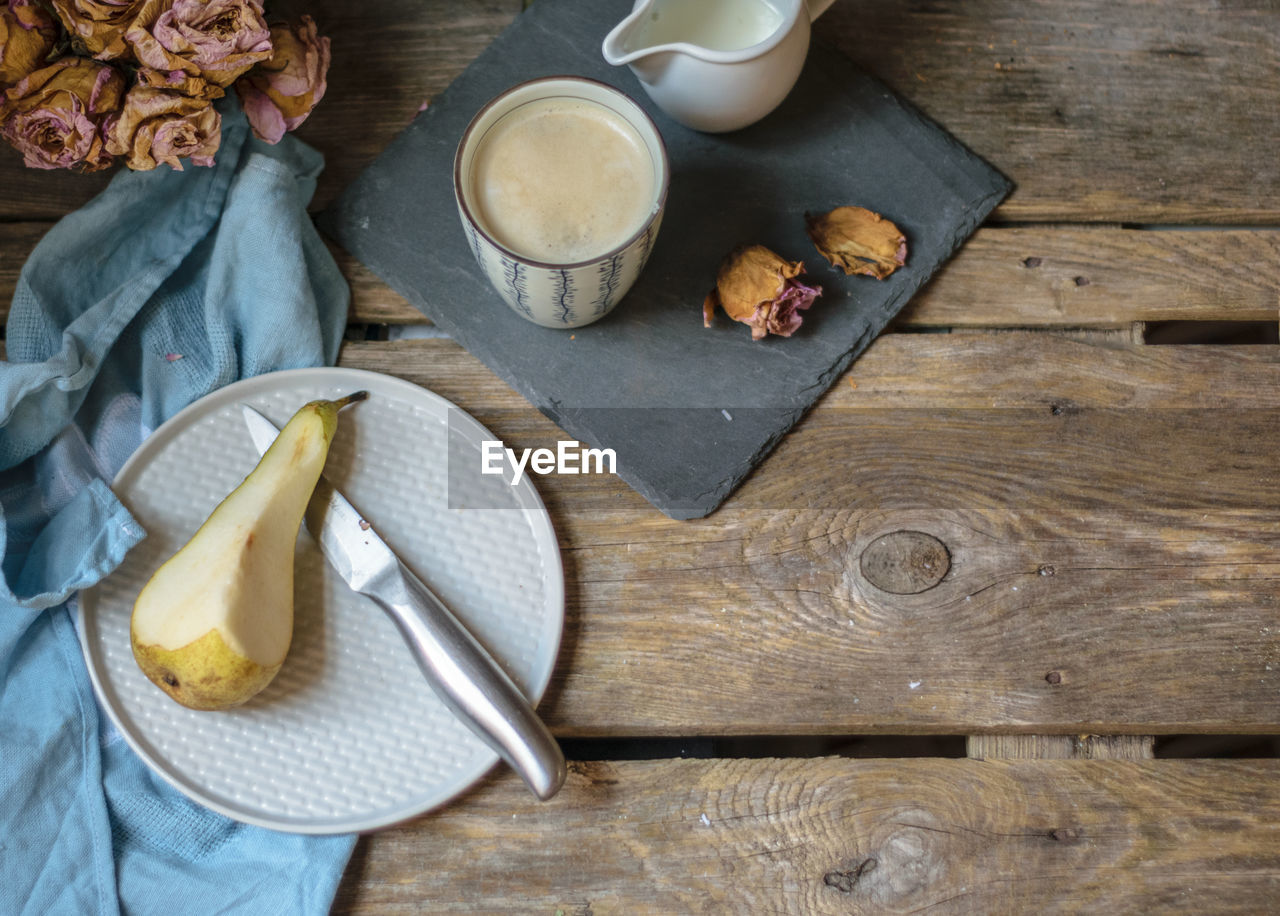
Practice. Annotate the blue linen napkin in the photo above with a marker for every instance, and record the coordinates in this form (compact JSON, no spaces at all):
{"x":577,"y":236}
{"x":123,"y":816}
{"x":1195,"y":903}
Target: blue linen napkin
{"x":163,"y":288}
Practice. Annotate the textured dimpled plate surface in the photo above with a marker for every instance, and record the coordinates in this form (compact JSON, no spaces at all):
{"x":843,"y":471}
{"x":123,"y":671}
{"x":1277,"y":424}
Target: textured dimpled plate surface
{"x":349,"y":735}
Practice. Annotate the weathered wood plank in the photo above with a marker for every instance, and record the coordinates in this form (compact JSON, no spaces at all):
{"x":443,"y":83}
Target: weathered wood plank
{"x":763,"y":624}
{"x":1030,"y":370}
{"x":1075,"y":277}
{"x":1044,"y":277}
{"x":1004,"y":277}
{"x":1098,"y":111}
{"x":1155,"y":113}
{"x":927,"y":371}
{"x":1110,"y":517}
{"x":841,"y":836}
{"x":16,"y":242}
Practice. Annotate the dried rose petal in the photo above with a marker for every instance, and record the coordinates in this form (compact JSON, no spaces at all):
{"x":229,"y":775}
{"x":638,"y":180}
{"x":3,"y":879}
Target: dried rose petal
{"x":858,"y":241}
{"x":100,"y":24}
{"x":179,"y":81}
{"x":27,"y":35}
{"x":760,"y":289}
{"x":278,"y":94}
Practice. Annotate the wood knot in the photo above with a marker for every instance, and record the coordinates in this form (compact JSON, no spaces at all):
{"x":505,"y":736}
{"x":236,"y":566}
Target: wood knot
{"x":905,"y":562}
{"x":846,"y":881}
{"x":1064,"y":834}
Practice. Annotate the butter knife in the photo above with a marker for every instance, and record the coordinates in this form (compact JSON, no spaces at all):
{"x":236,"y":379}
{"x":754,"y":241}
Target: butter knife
{"x":462,"y":673}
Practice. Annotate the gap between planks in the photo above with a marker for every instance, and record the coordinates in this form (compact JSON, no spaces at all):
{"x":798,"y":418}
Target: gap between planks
{"x":1061,"y":747}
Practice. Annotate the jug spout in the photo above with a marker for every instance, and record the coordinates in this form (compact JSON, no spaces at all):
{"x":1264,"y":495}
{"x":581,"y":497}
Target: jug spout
{"x":621,"y":45}
{"x":714,"y":65}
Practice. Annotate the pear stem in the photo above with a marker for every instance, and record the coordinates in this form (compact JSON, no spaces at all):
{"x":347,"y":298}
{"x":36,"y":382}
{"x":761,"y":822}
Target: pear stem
{"x":350,"y":399}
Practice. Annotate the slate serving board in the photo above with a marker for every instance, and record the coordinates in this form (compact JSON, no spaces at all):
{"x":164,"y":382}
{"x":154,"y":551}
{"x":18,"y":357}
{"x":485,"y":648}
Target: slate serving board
{"x":688,"y":411}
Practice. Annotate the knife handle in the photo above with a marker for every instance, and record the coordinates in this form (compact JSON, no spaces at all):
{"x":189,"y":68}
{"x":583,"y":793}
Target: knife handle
{"x":472,"y":684}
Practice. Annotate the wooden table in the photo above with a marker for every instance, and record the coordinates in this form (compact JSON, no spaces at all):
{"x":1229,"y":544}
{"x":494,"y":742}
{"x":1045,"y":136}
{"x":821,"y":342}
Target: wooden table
{"x":1109,"y":508}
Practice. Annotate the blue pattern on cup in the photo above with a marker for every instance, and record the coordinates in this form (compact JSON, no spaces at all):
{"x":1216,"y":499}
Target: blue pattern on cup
{"x":513,"y":273}
{"x":564,"y":296}
{"x":610,"y":277}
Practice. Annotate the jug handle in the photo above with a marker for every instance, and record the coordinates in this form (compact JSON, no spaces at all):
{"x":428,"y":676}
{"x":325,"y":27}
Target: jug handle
{"x":817,"y":7}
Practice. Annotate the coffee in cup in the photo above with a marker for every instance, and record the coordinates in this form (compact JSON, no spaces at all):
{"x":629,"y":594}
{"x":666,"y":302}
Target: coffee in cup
{"x":562,"y":180}
{"x":561,"y":185}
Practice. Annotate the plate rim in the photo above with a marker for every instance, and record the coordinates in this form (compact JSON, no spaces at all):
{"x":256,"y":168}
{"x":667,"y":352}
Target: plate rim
{"x":531,"y":505}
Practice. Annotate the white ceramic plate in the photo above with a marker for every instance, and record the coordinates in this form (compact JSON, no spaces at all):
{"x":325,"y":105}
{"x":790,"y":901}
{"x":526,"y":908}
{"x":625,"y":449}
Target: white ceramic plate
{"x":349,"y":736}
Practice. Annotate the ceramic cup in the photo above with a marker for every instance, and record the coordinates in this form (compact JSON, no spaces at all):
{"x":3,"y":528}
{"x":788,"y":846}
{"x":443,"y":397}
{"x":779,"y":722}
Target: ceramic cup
{"x":574,"y":290}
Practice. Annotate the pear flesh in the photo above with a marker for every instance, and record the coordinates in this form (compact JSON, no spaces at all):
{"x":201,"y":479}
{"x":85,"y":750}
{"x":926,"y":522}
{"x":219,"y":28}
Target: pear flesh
{"x":212,"y":627}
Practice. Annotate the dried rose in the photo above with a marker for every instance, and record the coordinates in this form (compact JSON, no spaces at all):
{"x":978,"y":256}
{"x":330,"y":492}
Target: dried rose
{"x":858,"y":241}
{"x":27,"y":35}
{"x":156,"y":126}
{"x":55,"y":116}
{"x":217,"y":40}
{"x":280,"y":93}
{"x":179,"y":81}
{"x":760,"y":289}
{"x":100,"y":24}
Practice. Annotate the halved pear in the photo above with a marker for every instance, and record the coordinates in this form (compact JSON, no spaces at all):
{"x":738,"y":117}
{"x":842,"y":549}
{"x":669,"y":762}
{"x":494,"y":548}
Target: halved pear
{"x":213,"y":625}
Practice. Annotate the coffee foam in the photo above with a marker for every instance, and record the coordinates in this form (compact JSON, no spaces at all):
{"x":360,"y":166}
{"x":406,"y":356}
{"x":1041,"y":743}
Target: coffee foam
{"x":562,"y":180}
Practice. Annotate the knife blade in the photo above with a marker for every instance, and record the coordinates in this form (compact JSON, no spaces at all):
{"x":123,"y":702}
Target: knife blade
{"x":462,"y":673}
